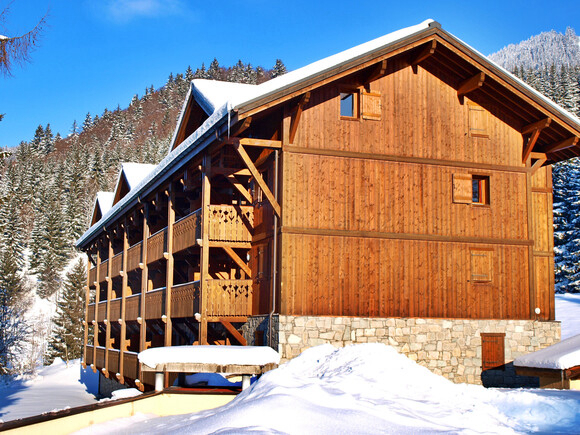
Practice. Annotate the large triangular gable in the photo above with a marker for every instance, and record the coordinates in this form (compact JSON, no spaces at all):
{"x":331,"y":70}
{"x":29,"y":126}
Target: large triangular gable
{"x":549,"y":133}
{"x":130,"y":175}
{"x":103,"y":203}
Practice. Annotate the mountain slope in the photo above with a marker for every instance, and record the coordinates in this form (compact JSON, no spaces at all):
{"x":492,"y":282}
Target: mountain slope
{"x":541,"y":51}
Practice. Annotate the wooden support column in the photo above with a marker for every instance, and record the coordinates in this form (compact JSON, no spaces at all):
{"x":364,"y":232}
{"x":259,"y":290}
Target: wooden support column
{"x":204,"y":260}
{"x":108,"y":315}
{"x":144,"y":288}
{"x":169,"y":264}
{"x":123,"y":324}
{"x":86,"y":325}
{"x":97,"y":300}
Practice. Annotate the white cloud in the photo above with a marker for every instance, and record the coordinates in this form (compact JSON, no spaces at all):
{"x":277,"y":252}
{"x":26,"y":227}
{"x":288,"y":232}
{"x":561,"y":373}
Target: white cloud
{"x":126,"y":10}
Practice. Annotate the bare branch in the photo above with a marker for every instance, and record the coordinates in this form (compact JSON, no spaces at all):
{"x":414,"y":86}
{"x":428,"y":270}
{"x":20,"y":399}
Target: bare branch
{"x":17,"y":49}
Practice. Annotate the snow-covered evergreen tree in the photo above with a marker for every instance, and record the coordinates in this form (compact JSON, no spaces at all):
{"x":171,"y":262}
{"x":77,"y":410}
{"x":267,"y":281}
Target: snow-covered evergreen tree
{"x":68,"y":332}
{"x":279,"y":68}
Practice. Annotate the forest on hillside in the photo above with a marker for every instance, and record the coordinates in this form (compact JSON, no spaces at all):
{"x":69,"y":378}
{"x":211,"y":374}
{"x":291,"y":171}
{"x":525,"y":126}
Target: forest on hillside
{"x":47,"y":191}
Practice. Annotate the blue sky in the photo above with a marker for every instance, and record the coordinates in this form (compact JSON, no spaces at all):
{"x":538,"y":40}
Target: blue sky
{"x":97,"y":54}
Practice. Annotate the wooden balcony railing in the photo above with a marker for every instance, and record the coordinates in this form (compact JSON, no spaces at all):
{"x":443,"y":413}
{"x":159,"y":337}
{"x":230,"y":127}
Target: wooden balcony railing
{"x":117,"y":265}
{"x":185,"y":299}
{"x":90,"y":313}
{"x":229,"y":297}
{"x":131,"y":362}
{"x":132,"y":309}
{"x":93,"y":275}
{"x":226,"y":298}
{"x":156,"y":245}
{"x":103,"y":267}
{"x":115,"y":309}
{"x":100,"y":360}
{"x":227,"y":223}
{"x":187,"y":231}
{"x":231,"y":223}
{"x":114,"y":361}
{"x":134,"y":256}
{"x":102,"y":311}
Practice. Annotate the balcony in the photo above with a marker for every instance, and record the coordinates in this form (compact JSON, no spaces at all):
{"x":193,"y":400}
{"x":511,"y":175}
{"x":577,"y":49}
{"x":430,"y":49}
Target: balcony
{"x":227,"y":223}
{"x":131,"y":362}
{"x":226,"y":298}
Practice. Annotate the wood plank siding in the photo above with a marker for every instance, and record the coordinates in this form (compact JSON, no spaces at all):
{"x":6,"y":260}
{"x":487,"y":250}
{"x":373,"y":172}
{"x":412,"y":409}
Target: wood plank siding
{"x":370,"y":227}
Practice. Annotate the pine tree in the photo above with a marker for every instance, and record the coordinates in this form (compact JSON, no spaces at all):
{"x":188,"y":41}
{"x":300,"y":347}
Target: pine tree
{"x":279,"y":69}
{"x":214,"y":70}
{"x":13,"y":330}
{"x":88,"y":123}
{"x":67,"y":337}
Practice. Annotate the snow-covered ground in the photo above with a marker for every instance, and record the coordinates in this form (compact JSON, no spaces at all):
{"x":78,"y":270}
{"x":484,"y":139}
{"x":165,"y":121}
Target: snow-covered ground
{"x":54,"y":387}
{"x":367,"y":389}
{"x":358,"y":389}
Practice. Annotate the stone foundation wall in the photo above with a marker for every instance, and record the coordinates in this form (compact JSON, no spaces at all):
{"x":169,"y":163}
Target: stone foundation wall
{"x":448,"y":347}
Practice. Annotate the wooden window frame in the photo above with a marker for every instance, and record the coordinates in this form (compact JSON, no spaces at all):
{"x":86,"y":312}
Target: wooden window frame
{"x":492,"y":351}
{"x":482,"y":183}
{"x":463,"y":189}
{"x":355,"y":104}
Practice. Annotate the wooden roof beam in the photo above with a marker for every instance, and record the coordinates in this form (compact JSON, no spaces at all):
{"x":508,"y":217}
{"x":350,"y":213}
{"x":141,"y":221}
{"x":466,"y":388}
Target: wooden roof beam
{"x":251,"y":142}
{"x":534,"y":131}
{"x":297,"y":114}
{"x":470,"y":85}
{"x":377,"y":72}
{"x":562,"y":145}
{"x":539,"y":125}
{"x":426,"y":52}
{"x":243,"y":126}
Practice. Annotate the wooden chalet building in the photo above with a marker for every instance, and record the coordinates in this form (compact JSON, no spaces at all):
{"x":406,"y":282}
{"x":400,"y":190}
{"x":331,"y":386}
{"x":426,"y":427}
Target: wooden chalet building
{"x":398,"y":192}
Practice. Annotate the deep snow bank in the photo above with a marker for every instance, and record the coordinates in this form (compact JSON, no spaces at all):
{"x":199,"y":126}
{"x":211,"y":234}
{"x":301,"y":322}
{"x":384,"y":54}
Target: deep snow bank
{"x":368,"y":388}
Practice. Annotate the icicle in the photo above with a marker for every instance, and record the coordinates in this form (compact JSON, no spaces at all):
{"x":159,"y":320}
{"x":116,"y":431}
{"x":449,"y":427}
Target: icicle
{"x":229,"y":118}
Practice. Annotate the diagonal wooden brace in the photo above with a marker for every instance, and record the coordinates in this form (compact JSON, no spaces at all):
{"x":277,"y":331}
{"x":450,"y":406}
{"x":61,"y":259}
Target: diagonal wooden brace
{"x":258,"y":177}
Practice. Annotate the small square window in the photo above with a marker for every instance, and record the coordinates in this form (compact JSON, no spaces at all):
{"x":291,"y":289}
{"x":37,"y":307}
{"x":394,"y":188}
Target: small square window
{"x":349,"y":104}
{"x":480,"y":189}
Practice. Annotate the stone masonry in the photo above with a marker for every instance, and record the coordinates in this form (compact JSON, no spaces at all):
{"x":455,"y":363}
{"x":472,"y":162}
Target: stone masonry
{"x":448,"y":347}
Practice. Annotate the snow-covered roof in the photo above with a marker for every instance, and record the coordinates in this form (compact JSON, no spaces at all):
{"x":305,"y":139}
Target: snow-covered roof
{"x":206,"y":354}
{"x":213,"y":94}
{"x":104,"y":201}
{"x":222,"y":101}
{"x":560,"y":356}
{"x":135,"y":172}
{"x":130,"y":175}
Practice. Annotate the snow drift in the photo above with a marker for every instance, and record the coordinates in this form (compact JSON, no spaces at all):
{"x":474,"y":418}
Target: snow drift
{"x":367,"y":388}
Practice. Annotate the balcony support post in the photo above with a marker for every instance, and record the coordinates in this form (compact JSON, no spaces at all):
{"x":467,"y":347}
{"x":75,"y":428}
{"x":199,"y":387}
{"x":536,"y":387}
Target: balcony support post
{"x":109,"y":295}
{"x":204,"y":260}
{"x":169,"y":264}
{"x":123,"y":325}
{"x":97,"y":300}
{"x":144,"y":288}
